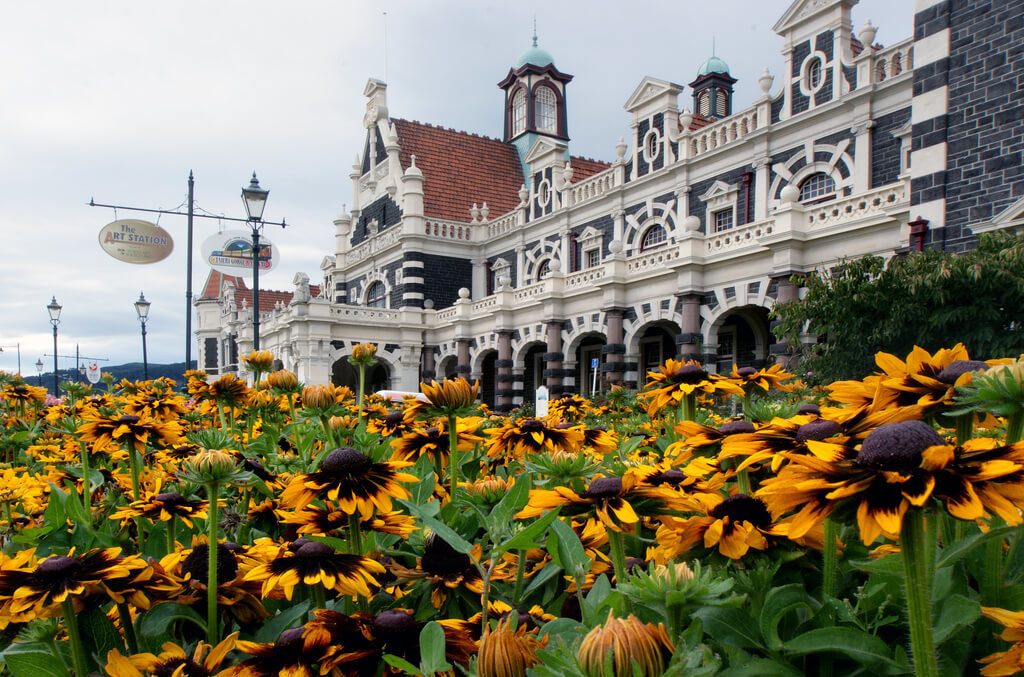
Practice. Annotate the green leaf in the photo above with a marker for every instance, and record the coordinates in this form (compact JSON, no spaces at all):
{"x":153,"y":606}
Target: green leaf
{"x":402,"y":664}
{"x":99,"y":634}
{"x":511,"y":503}
{"x":850,"y":642}
{"x":432,"y":648}
{"x":571,"y":552}
{"x":762,"y":667}
{"x":777,"y":603}
{"x":526,"y":538}
{"x":33,"y":659}
{"x":731,"y":627}
{"x":956,"y":612}
{"x":441,"y":529}
{"x":156,"y":622}
{"x":285,"y":620}
{"x":954,"y":553}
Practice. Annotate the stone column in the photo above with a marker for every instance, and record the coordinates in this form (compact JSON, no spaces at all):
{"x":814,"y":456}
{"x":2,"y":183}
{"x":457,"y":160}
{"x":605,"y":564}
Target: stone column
{"x":504,"y":390}
{"x":787,"y":291}
{"x":428,"y":367}
{"x":462,"y":367}
{"x":553,"y":358}
{"x":689,"y":340}
{"x":614,"y":350}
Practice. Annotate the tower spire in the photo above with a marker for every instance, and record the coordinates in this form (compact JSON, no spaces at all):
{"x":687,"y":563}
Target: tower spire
{"x":534,"y":30}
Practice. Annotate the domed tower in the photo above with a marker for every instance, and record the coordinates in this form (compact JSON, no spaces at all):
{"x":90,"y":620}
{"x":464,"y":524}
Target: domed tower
{"x":712,"y":90}
{"x":534,"y":101}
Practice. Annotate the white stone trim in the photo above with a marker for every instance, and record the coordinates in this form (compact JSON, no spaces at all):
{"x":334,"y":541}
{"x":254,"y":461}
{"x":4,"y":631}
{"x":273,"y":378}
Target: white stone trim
{"x":930,"y":104}
{"x":929,"y":159}
{"x":932,"y":48}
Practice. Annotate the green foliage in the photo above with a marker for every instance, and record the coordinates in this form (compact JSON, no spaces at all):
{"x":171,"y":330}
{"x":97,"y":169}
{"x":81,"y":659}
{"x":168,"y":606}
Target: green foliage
{"x":931,"y":299}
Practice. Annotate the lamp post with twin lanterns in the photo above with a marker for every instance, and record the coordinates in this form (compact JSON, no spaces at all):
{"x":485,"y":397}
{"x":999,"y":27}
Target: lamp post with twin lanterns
{"x":142,"y":310}
{"x":255,"y":199}
{"x":54,"y":309}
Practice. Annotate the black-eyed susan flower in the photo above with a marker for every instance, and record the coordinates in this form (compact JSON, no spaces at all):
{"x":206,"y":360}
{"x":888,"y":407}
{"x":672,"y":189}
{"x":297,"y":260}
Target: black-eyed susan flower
{"x":676,"y":380}
{"x":451,"y":397}
{"x":237,"y":599}
{"x":290,"y":654}
{"x":751,"y":379}
{"x":172,"y":660}
{"x":228,"y":390}
{"x":129,"y":431}
{"x":1011,"y":661}
{"x":353,"y":482}
{"x":445,"y":569}
{"x":625,"y":647}
{"x":435,"y":441}
{"x":313,"y":520}
{"x":507,"y":650}
{"x":516,"y":439}
{"x":315,"y":563}
{"x":158,"y":506}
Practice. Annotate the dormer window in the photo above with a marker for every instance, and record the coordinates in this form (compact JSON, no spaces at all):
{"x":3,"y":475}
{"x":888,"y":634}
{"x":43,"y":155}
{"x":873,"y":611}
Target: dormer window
{"x":544,"y":110}
{"x":654,"y":237}
{"x":519,"y":112}
{"x":817,"y":187}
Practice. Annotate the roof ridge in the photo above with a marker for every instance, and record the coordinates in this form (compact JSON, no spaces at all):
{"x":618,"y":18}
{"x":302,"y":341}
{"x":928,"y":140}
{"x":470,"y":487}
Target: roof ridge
{"x":589,"y":159}
{"x":449,"y":129}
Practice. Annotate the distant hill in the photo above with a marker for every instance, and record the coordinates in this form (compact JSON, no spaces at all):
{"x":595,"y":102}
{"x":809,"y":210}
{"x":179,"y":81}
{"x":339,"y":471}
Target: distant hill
{"x":131,"y":371}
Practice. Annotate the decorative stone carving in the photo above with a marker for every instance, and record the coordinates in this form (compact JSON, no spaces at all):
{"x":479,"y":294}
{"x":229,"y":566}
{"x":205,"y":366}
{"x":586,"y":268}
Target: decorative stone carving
{"x":301,"y":293}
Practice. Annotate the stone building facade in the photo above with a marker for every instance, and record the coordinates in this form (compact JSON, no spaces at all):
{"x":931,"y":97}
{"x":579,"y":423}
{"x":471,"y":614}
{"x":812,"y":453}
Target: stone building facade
{"x":514,"y":262}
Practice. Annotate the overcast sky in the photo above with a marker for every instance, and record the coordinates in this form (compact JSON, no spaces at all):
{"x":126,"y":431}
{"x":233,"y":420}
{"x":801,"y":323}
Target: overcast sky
{"x":119,"y":100}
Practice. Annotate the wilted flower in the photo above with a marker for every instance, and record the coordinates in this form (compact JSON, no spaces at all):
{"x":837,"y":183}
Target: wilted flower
{"x":214,"y":466}
{"x":451,"y":397}
{"x":259,"y":361}
{"x":506,"y":651}
{"x":363,"y":354}
{"x":636,"y":648}
{"x":283,"y":380}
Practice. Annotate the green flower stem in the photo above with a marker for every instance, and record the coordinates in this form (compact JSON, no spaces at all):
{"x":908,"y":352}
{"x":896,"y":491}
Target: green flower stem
{"x":319,"y":597}
{"x":222,"y":416}
{"x":133,"y":463}
{"x":830,"y":562}
{"x":964,"y":427}
{"x":86,"y":484}
{"x":992,"y":577}
{"x":354,"y":535}
{"x":618,"y":552}
{"x":747,"y":397}
{"x":359,"y":404}
{"x":916,"y":550}
{"x":453,"y":456}
{"x":129,"y":628}
{"x":1015,"y":428}
{"x":307,"y":454}
{"x":743,"y":482}
{"x":688,"y":408}
{"x":520,"y":573}
{"x":171,"y":541}
{"x":75,"y":635}
{"x":213,"y":493}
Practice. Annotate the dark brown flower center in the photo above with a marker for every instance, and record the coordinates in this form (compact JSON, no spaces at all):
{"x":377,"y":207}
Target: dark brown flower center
{"x":604,"y":487}
{"x":196,"y":564}
{"x":393,"y":418}
{"x":394,"y":622}
{"x":128,"y":419}
{"x":746,"y":372}
{"x":346,"y":460}
{"x":809,"y":409}
{"x":897,"y":446}
{"x":290,"y":640}
{"x":673,"y":477}
{"x":958,"y":368}
{"x":171,"y":498}
{"x":57,"y":567}
{"x":314,"y":550}
{"x":743,"y":508}
{"x":180,"y":667}
{"x":688,"y":373}
{"x":736,"y":428}
{"x":818,"y":430}
{"x":531,"y":425}
{"x":441,"y":559}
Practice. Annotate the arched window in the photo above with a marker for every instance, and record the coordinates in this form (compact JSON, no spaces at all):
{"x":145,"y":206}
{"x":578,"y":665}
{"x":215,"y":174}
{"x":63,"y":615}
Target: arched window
{"x":653,"y":237}
{"x":813,"y":74}
{"x":817,"y":187}
{"x":544,"y":269}
{"x":519,"y":112}
{"x":544,"y":110}
{"x":377,"y":296}
{"x":704,"y":104}
{"x":720,"y":101}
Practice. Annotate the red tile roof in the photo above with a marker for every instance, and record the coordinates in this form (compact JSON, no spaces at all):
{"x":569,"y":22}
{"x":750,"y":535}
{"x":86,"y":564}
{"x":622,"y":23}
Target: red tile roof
{"x":460,"y":168}
{"x":268,"y":297}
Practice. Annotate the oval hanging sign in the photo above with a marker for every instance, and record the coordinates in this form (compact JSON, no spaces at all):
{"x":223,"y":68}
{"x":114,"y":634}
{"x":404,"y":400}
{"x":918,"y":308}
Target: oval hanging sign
{"x":135,"y":241}
{"x":230,"y":252}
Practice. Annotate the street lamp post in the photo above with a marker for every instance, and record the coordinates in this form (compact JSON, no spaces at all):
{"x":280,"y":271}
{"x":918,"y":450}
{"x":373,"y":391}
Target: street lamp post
{"x":255,"y":199}
{"x":39,"y":371}
{"x":142,"y":310}
{"x":18,"y":346}
{"x":54,"y":309}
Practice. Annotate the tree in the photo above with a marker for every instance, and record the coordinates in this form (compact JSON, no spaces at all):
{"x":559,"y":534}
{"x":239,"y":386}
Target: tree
{"x":932,"y":299}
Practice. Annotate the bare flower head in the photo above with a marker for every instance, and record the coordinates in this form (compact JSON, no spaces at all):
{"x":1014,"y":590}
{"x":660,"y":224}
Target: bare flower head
{"x":636,"y":648}
{"x":364,"y":354}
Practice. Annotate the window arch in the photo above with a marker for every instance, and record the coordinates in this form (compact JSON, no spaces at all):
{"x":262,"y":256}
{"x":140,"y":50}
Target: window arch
{"x":519,"y":112}
{"x":376,"y":296}
{"x":543,"y":269}
{"x":654,"y":236}
{"x":817,"y":187}
{"x":704,"y":104}
{"x":545,"y":106}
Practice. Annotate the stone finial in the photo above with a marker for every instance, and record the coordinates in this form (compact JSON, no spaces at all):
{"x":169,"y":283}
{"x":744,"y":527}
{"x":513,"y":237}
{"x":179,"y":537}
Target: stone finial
{"x":620,"y":149}
{"x":685,"y":119}
{"x":555,"y":266}
{"x":428,"y":304}
{"x":484,"y":212}
{"x":463,"y":294}
{"x":567,"y":173}
{"x":867,"y":34}
{"x":524,"y":195}
{"x":413,"y":170}
{"x":765,"y":82}
{"x":474,"y":213}
{"x":789,"y":194}
{"x":691,"y":224}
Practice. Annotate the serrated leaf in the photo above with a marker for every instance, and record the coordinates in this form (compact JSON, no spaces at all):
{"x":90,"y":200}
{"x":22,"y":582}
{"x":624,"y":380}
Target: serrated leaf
{"x":285,"y":620}
{"x":446,"y":533}
{"x":33,"y":659}
{"x":850,"y":642}
{"x":524,"y":540}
